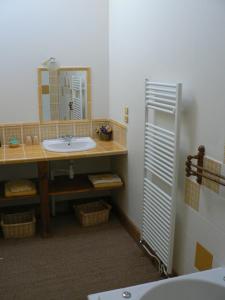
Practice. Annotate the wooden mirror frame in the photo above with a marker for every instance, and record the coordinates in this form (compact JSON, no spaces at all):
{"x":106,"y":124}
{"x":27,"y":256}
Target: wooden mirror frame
{"x":89,"y":100}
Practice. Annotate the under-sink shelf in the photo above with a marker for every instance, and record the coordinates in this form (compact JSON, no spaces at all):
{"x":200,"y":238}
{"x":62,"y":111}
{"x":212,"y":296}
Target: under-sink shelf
{"x":61,"y":185}
{"x":80,"y":184}
{"x":4,"y":199}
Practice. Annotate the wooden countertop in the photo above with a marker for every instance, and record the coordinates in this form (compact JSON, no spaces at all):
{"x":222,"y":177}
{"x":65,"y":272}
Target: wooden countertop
{"x":34,"y":153}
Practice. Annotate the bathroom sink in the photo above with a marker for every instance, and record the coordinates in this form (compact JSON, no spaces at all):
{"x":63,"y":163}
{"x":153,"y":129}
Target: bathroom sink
{"x":69,"y":145}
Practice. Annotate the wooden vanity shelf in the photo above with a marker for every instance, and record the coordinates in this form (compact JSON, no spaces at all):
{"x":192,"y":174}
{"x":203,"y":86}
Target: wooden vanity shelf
{"x":4,"y":199}
{"x":80,"y":184}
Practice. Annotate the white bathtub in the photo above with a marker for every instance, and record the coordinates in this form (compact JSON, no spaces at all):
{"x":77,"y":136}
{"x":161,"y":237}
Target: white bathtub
{"x":207,"y":285}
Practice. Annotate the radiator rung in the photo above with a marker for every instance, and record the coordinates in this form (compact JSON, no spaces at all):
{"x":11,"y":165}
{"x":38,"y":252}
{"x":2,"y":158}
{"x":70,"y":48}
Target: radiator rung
{"x":158,"y":157}
{"x":159,"y":162}
{"x":154,"y":227}
{"x":158,"y":173}
{"x":159,"y":198}
{"x":156,"y":246}
{"x":160,"y":129}
{"x":158,"y":189}
{"x":150,"y":234}
{"x":152,"y":83}
{"x":165,"y":135}
{"x":153,"y":218}
{"x":160,"y":138}
{"x":161,"y":109}
{"x":166,"y":154}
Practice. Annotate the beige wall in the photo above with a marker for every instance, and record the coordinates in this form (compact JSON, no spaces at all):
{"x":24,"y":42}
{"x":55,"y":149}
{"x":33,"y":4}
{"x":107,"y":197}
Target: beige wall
{"x":173,"y":41}
{"x":73,"y":31}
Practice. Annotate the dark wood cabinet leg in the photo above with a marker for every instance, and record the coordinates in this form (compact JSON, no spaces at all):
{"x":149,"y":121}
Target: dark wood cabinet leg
{"x":44,"y":203}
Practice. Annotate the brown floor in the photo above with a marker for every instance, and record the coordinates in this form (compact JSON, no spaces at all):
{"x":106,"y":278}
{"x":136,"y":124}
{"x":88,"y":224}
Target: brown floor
{"x":72,"y":264}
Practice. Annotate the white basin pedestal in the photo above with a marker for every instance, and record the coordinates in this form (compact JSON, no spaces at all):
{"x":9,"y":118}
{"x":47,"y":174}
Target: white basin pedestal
{"x":74,"y":144}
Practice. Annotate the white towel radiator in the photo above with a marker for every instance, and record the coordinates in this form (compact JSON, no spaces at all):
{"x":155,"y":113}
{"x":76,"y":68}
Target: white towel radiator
{"x":162,"y":111}
{"x":77,"y":98}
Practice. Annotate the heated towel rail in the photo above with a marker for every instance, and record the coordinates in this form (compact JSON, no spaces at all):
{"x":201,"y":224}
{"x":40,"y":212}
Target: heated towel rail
{"x":162,"y":111}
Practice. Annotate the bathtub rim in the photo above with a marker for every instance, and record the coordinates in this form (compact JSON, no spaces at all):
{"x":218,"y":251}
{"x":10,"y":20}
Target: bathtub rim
{"x":185,"y":280}
{"x":216,"y":275}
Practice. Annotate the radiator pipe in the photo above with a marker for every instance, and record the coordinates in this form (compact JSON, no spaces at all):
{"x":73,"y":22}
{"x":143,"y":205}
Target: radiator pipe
{"x":161,"y":266}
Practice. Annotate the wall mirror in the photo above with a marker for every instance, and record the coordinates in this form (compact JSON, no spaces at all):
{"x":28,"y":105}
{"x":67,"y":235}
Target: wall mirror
{"x":64,"y":93}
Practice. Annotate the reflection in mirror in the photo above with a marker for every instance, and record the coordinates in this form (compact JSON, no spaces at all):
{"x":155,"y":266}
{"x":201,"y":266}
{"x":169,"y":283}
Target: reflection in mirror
{"x":64,"y":93}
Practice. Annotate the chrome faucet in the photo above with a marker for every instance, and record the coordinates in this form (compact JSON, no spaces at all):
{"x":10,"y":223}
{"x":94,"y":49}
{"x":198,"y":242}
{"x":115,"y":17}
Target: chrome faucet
{"x":67,"y":139}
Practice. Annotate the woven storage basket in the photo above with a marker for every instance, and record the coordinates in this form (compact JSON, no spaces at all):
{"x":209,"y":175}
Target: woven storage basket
{"x":93,"y":213}
{"x":18,"y":225}
{"x":105,"y":137}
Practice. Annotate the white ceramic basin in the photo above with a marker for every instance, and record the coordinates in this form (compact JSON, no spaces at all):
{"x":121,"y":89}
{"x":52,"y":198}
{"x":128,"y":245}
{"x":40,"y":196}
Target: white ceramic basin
{"x":75,"y":144}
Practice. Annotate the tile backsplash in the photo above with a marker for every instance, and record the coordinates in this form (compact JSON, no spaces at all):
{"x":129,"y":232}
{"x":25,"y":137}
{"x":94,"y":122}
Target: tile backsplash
{"x":1,"y":135}
{"x":49,"y":131}
{"x":65,"y":129}
{"x":83,"y":129}
{"x":13,"y":131}
{"x":58,"y":129}
{"x":31,"y":130}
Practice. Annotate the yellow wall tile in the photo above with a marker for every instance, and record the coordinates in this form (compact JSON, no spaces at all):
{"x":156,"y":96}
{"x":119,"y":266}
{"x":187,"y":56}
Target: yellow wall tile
{"x":30,"y":130}
{"x":119,"y":132}
{"x":45,"y":89}
{"x":2,"y":154}
{"x":48,"y":132}
{"x":11,"y":131}
{"x":82,"y":129}
{"x":192,"y":193}
{"x":2,"y":142}
{"x":214,"y":167}
{"x":203,"y":258}
{"x":65,"y":129}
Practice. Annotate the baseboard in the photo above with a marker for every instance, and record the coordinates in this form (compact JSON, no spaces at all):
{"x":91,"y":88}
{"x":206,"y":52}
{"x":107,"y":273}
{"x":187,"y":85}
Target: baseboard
{"x":127,"y":223}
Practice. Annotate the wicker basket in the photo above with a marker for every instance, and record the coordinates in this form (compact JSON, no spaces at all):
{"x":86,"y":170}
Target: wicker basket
{"x":105,"y":137}
{"x":93,"y":213}
{"x":18,"y":225}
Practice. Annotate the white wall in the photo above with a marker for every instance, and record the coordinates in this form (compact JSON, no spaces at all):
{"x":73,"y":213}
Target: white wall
{"x":73,"y":31}
{"x":171,"y":41}
{"x":167,"y":40}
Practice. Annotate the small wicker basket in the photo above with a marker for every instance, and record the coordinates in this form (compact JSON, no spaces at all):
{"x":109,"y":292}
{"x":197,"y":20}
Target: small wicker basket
{"x":18,"y":225}
{"x":105,"y":136}
{"x":93,"y":213}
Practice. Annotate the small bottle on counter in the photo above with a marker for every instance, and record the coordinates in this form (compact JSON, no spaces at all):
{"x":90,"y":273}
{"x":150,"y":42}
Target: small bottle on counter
{"x":28,"y":140}
{"x":35,"y":140}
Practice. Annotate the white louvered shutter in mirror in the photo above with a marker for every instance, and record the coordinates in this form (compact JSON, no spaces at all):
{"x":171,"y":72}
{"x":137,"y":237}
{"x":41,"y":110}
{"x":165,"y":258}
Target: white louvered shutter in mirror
{"x":77,"y":98}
